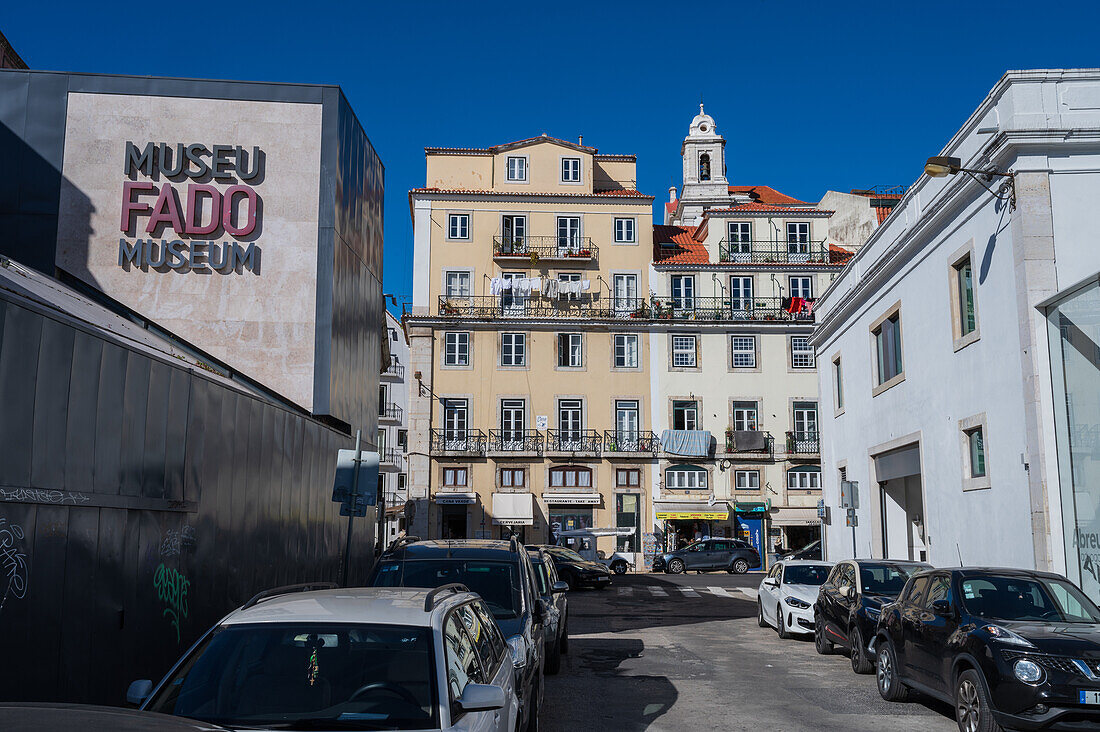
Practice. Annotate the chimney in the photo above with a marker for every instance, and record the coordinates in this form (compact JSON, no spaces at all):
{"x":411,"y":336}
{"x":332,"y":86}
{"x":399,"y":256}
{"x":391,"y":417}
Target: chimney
{"x":580,"y":140}
{"x":671,"y":194}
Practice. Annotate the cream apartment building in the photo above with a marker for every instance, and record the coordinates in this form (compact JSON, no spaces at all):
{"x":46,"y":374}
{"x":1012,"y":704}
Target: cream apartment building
{"x":529,"y":346}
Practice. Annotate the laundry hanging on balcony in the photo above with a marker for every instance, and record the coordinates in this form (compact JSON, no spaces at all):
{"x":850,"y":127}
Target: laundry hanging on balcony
{"x":552,"y":287}
{"x":689,"y":443}
{"x":498,"y":285}
{"x":797,"y":305}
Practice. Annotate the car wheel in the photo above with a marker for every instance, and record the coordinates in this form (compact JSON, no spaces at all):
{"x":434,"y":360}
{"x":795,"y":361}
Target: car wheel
{"x":860,"y":663}
{"x":781,"y":624}
{"x":619,"y":568}
{"x":890,"y":687}
{"x":973,"y":712}
{"x":760,"y":615}
{"x":676,"y":566}
{"x":740,"y":566}
{"x":823,"y":645}
{"x":553,"y":659}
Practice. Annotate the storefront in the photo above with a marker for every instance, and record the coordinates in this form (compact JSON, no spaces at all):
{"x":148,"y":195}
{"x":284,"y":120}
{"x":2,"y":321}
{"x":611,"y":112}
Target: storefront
{"x":513,"y":515}
{"x":454,"y":514}
{"x":570,"y":511}
{"x":688,"y":521}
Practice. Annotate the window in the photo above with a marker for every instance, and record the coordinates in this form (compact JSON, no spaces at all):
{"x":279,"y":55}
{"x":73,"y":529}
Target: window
{"x":805,"y":420}
{"x":626,"y":517}
{"x":570,"y":477}
{"x":628,"y":477}
{"x":383,"y":399}
{"x":744,"y":416}
{"x":739,"y":243}
{"x":685,"y":415}
{"x":838,"y":385}
{"x":624,"y":288}
{"x":456,"y":283}
{"x":455,"y":423}
{"x":393,"y":337}
{"x":683,"y":292}
{"x":626,"y":425}
{"x":458,"y":226}
{"x":683,"y":352}
{"x":456,"y":349}
{"x":741,"y":296}
{"x":704,"y":166}
{"x":569,"y":235}
{"x":513,"y":419}
{"x":888,"y":348}
{"x":746,"y":480}
{"x":808,"y":478}
{"x":740,"y":231}
{"x":401,"y":481}
{"x":381,"y":441}
{"x":975,"y":442}
{"x":626,"y":351}
{"x":966,"y":313}
{"x":802,"y":353}
{"x":570,"y":350}
{"x":403,"y":440}
{"x":455,"y":477}
{"x":798,"y":237}
{"x":624,"y":231}
{"x":570,"y":170}
{"x":462,"y":662}
{"x":513,"y":477}
{"x":801,"y":287}
{"x":513,"y":238}
{"x":570,"y":423}
{"x":569,"y":277}
{"x":685,"y":478}
{"x":743,"y":349}
{"x":517,"y":169}
{"x":513,"y":349}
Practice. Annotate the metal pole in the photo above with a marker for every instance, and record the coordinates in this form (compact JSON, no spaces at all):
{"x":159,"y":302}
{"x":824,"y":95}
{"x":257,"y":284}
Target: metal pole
{"x":354,"y":502}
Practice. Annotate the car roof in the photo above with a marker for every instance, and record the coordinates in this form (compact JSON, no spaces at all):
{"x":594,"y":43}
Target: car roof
{"x":463,"y":549}
{"x":88,"y":718}
{"x":378,"y":605}
{"x":1003,"y":571}
{"x":899,"y":562}
{"x":805,"y":563}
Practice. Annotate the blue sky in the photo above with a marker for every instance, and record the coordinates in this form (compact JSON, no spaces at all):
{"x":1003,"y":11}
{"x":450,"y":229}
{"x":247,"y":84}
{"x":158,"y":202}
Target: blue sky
{"x":810,"y":96}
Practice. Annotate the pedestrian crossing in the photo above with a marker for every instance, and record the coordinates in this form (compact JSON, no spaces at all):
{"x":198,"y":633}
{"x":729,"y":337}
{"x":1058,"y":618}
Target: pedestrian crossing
{"x":655,"y":591}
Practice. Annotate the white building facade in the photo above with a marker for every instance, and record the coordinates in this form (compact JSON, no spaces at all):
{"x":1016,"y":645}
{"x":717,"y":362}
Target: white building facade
{"x":957,"y":352}
{"x":392,"y":441}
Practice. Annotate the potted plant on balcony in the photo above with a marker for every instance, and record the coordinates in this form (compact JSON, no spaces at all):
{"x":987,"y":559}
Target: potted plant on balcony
{"x":447,"y":308}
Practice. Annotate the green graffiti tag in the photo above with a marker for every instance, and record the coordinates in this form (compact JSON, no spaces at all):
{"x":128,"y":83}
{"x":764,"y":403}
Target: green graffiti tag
{"x":172,"y":587}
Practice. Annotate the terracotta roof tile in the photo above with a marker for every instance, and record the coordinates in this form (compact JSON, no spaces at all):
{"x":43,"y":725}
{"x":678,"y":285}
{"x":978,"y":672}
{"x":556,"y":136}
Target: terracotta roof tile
{"x":677,"y":245}
{"x":767,"y":194}
{"x":755,"y":207}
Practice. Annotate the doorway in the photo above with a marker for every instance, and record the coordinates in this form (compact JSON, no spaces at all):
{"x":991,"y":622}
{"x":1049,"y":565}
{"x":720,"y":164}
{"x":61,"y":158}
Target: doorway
{"x":900,"y":511}
{"x":453,"y":522}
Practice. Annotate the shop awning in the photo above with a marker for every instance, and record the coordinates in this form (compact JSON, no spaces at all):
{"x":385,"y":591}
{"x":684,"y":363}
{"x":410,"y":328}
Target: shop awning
{"x":513,"y":509}
{"x":455,"y":498}
{"x":572,"y":499}
{"x":750,"y":507}
{"x":795,"y":516}
{"x":690,"y":510}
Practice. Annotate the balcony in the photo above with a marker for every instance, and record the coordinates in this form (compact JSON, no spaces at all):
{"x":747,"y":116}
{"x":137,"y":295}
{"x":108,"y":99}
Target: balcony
{"x":750,"y":444}
{"x":457,"y":442}
{"x":770,"y":252}
{"x":543,"y":248}
{"x":727,"y":309}
{"x":627,"y":444}
{"x":516,"y":443}
{"x":396,"y":371}
{"x":391,"y":459}
{"x":804,"y":444}
{"x":390,"y":413}
{"x":574,"y":441}
{"x":584,"y":306}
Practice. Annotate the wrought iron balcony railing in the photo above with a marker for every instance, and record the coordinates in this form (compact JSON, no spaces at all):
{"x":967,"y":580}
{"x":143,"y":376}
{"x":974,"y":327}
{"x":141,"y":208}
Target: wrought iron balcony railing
{"x":573,"y":441}
{"x":512,"y":306}
{"x":395,"y":369}
{"x":724,"y":309}
{"x":803,"y":443}
{"x":515,"y":441}
{"x":619,"y":442}
{"x":771,"y":252}
{"x":389,"y":411}
{"x":468,"y":442}
{"x":737,"y":441}
{"x":727,"y":309}
{"x":578,"y":248}
{"x":391,"y":456}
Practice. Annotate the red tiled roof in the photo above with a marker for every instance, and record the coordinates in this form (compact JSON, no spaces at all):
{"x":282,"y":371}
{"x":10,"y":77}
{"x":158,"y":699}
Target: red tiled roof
{"x":755,"y":207}
{"x":841,"y":250}
{"x":670,"y":207}
{"x":517,"y":143}
{"x":620,"y":193}
{"x":677,"y":245}
{"x":767,"y":194}
{"x":883,"y":212}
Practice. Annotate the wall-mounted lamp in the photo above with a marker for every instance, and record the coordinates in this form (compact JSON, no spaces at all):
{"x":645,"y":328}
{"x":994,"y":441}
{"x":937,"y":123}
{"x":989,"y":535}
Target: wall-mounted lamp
{"x":942,"y":166}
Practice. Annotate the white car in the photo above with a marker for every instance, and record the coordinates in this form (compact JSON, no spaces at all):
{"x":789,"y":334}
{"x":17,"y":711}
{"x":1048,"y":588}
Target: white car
{"x":786,"y":597}
{"x":340,"y":659}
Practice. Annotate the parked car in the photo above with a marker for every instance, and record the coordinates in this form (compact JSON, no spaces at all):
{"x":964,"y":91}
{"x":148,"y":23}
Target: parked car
{"x":733,"y":555}
{"x":1007,"y":647}
{"x":848,"y":606}
{"x":577,"y":571}
{"x":552,"y":591}
{"x":785,"y":598}
{"x":502,"y":574}
{"x":359,"y":658}
{"x":583,"y":542}
{"x":811,"y":551}
{"x":44,"y":717}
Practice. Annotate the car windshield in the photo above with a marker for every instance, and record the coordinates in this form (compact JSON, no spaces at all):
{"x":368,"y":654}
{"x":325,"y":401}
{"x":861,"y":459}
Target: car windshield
{"x":567,"y":554}
{"x":300,"y":675}
{"x":1027,"y":598}
{"x":812,"y":574}
{"x":884,"y":579}
{"x":496,"y":582}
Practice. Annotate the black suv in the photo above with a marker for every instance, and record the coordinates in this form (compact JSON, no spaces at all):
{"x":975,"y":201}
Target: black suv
{"x":553,"y":591}
{"x":575,"y":570}
{"x":849,"y":603}
{"x":733,"y":555}
{"x":1008,"y":647}
{"x":501,"y":573}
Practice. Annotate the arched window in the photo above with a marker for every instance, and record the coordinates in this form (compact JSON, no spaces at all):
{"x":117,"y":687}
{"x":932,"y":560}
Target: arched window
{"x":704,"y":166}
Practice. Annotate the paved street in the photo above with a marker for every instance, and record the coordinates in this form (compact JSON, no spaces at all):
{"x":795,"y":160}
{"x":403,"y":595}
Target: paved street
{"x":684,"y":652}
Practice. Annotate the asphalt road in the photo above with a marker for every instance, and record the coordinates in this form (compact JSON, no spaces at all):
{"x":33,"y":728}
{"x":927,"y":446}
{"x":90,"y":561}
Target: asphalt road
{"x":684,"y":652}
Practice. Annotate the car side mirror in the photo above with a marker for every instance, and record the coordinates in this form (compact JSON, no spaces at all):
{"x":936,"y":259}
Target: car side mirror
{"x":559,"y":586}
{"x":138,"y":692}
{"x":851,"y":593}
{"x":941,"y":608}
{"x":481,"y":698}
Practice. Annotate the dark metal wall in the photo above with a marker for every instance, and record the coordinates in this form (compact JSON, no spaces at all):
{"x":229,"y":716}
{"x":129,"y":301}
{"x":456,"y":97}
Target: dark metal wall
{"x":139,"y":502}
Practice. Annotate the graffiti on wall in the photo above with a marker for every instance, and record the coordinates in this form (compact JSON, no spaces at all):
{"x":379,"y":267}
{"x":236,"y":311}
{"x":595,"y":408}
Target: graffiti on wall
{"x":172,"y":587}
{"x":13,"y":561}
{"x":176,"y":541}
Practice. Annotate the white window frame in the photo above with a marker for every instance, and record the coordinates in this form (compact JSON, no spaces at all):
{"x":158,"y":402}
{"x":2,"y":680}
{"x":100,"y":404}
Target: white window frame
{"x":567,"y":175}
{"x":743,"y":346}
{"x":746,"y":480}
{"x":569,"y":277}
{"x":682,"y":288}
{"x":801,"y":286}
{"x":513,"y":349}
{"x":746,"y":415}
{"x":522,"y":160}
{"x":575,"y":350}
{"x":804,"y":479}
{"x":691,"y":414}
{"x":459,"y":274}
{"x":620,"y":346}
{"x":677,"y":479}
{"x":451,"y":477}
{"x":456,"y":343}
{"x":802,"y":353}
{"x":459,"y":222}
{"x":684,"y":346}
{"x":626,"y":230}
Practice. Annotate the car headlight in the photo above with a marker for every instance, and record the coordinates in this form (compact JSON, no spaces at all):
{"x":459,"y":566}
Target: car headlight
{"x":519,"y":650}
{"x":1027,"y":671}
{"x":795,"y":602}
{"x":1006,"y":636}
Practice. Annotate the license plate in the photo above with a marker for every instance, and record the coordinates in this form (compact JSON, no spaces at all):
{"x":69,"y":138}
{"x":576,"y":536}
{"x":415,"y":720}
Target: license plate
{"x":1089,"y":697}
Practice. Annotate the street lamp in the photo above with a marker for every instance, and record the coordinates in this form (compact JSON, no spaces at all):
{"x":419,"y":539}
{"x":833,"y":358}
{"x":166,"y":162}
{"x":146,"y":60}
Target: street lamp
{"x":941,"y":166}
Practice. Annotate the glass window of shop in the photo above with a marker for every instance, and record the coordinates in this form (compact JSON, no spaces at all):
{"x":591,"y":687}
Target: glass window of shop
{"x":568,"y":518}
{"x":1074,"y":337}
{"x":626,"y":517}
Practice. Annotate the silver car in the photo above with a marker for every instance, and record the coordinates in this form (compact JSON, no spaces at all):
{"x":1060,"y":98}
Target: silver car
{"x":364,"y":658}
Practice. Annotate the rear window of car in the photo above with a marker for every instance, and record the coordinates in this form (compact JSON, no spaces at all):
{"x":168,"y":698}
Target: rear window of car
{"x":883,"y":579}
{"x":498,"y":583}
{"x":1027,"y":598}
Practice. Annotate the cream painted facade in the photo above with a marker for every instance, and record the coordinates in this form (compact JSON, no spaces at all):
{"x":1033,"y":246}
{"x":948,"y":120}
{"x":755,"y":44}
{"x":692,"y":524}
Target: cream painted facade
{"x":500,"y":442}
